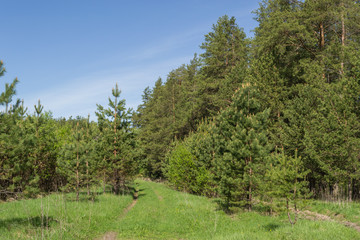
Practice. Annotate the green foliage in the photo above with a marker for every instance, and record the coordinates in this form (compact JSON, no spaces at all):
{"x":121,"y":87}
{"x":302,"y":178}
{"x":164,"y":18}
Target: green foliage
{"x":286,"y":180}
{"x":229,"y":153}
{"x":225,"y":62}
{"x":225,"y":47}
{"x":9,"y":92}
{"x":288,"y":177}
{"x":116,"y":142}
{"x":242,"y":149}
{"x":40,"y":154}
{"x":191,"y":93}
{"x":167,"y":113}
{"x":73,"y":162}
{"x":305,"y":72}
{"x":184,"y":171}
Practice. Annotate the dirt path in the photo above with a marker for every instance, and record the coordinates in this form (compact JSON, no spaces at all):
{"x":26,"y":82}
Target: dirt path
{"x":108,"y":236}
{"x":318,"y":216}
{"x":158,"y":195}
{"x":128,"y":208}
{"x":113,"y":235}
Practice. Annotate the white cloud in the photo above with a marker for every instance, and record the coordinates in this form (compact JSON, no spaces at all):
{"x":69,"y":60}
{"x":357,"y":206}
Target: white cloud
{"x":80,"y":96}
{"x":169,"y":44}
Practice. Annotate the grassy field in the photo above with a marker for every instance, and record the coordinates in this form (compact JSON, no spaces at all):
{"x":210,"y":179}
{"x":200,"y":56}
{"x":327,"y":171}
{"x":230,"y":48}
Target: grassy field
{"x":341,"y":210}
{"x":158,"y":213}
{"x":59,"y":216}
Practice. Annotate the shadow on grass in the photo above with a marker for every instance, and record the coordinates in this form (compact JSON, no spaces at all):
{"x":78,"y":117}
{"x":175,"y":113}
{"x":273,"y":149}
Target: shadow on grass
{"x":35,"y":222}
{"x":136,"y":194}
{"x":82,"y":198}
{"x":263,"y":209}
{"x":228,"y":208}
{"x":271,"y":226}
{"x":140,"y":195}
{"x":93,"y":196}
{"x":220,"y":206}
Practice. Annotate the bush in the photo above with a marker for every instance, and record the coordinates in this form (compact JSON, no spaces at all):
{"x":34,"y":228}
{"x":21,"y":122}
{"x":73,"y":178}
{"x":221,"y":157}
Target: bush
{"x":184,"y":172}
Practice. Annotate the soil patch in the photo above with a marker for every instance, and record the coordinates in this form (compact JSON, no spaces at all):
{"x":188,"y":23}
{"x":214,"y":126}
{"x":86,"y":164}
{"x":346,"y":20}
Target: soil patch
{"x":318,"y":216}
{"x":108,"y":236}
{"x":128,"y":208}
{"x":158,"y":195}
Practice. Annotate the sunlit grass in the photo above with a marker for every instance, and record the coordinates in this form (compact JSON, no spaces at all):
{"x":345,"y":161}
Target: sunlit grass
{"x":59,"y":216}
{"x":159,"y":213}
{"x":162,"y":213}
{"x":341,"y":210}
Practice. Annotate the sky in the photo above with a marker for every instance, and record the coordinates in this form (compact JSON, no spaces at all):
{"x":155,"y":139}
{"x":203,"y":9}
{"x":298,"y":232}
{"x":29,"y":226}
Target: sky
{"x":71,"y":53}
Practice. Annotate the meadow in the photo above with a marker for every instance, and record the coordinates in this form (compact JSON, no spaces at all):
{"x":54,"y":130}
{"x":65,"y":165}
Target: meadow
{"x":154,"y":211}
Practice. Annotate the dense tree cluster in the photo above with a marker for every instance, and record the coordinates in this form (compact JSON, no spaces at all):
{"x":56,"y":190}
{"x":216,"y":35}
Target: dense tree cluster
{"x":40,"y":154}
{"x":298,"y":91}
{"x":192,"y":92}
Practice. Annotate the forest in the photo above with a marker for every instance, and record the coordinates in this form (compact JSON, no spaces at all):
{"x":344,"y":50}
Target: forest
{"x":268,"y":121}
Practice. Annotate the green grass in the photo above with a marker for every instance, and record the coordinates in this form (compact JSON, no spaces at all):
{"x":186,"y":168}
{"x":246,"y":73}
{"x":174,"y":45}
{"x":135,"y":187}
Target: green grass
{"x":160,"y":213}
{"x":341,"y":210}
{"x":63,"y":218}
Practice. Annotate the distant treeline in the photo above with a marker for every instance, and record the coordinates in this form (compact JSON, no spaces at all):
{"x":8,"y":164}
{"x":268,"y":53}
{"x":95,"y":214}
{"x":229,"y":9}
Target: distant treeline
{"x":248,"y":120}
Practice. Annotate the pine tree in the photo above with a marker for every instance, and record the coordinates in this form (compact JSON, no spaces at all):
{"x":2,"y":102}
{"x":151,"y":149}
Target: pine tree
{"x":242,"y":143}
{"x":70,"y":163}
{"x":302,"y":63}
{"x":156,"y":131}
{"x":10,"y":142}
{"x":169,"y":112}
{"x":287,"y":176}
{"x":116,"y":140}
{"x":90,"y":132}
{"x":10,"y":91}
{"x":226,"y":50}
{"x":43,"y":153}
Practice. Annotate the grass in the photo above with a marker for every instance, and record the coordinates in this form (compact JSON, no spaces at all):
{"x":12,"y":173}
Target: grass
{"x":162,"y":213}
{"x":340,"y":210}
{"x":159,"y":213}
{"x":59,"y":216}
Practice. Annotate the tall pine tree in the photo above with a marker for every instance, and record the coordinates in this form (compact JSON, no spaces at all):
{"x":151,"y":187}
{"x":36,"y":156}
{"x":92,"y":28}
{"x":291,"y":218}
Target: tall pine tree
{"x":116,"y":141}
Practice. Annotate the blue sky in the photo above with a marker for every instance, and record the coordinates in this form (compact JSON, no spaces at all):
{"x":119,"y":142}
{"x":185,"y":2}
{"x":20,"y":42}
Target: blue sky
{"x":70,"y":53}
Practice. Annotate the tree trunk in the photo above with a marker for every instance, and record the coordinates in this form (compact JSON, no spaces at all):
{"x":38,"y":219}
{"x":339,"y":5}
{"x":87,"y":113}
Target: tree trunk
{"x":322,"y":36}
{"x":233,"y":50}
{"x":77,"y":176}
{"x":104,"y":185}
{"x":288,"y":212}
{"x":322,"y":41}
{"x":250,"y":192}
{"x":250,"y":187}
{"x":173,"y":104}
{"x":342,"y":39}
{"x":87,"y":178}
{"x":87,"y":160}
{"x":115,"y":115}
{"x":350,"y":190}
